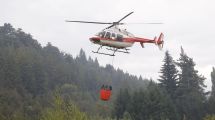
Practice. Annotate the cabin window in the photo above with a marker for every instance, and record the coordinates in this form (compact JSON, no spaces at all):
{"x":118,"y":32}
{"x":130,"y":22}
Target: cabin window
{"x":119,"y":37}
{"x":102,"y":34}
{"x":107,"y":35}
{"x":113,"y":36}
{"x":99,"y":34}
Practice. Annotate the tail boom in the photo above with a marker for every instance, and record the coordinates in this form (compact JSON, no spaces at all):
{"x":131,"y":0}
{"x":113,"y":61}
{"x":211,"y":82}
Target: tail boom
{"x":159,"y":42}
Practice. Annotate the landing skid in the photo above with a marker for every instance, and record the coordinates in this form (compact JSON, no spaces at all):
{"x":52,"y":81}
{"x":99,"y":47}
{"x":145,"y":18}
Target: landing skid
{"x":125,"y":50}
{"x":111,"y":49}
{"x":104,"y":53}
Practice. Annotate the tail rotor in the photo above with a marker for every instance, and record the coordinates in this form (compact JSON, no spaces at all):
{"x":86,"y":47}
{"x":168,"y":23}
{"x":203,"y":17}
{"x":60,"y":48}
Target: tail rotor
{"x":159,"y":42}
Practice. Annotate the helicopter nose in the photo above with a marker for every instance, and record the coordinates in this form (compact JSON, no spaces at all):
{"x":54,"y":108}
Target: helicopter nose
{"x":95,"y":39}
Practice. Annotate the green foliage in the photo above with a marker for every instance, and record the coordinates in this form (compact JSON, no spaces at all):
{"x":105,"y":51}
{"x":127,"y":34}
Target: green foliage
{"x":209,"y":117}
{"x":121,"y":104}
{"x":211,"y":100}
{"x":149,"y":104}
{"x":30,"y":73}
{"x":168,"y":78}
{"x":126,"y":116}
{"x":190,"y":91}
{"x":62,"y":110}
{"x":213,"y":82}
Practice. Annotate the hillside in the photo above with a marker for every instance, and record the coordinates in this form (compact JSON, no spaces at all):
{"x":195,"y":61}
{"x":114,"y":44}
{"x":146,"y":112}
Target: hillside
{"x":31,"y":73}
{"x":43,"y":83}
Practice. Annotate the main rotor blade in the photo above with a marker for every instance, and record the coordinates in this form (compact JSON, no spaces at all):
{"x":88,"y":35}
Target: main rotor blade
{"x":124,"y":17}
{"x":140,"y":23}
{"x":90,"y":22}
{"x":115,"y":23}
{"x":109,"y":26}
{"x":118,"y":22}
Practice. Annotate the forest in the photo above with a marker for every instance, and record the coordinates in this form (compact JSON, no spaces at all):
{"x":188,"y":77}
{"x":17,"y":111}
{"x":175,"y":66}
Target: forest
{"x":43,"y":83}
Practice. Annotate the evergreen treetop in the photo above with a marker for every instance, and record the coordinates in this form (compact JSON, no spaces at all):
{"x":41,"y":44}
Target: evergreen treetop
{"x":168,"y":77}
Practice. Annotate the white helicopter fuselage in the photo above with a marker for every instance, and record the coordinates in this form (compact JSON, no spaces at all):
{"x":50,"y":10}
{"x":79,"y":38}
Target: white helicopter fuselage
{"x":115,"y":44}
{"x":113,"y":37}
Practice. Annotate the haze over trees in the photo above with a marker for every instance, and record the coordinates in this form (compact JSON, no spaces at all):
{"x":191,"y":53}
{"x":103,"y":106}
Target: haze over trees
{"x":179,"y":95}
{"x":31,"y":73}
{"x":43,"y":83}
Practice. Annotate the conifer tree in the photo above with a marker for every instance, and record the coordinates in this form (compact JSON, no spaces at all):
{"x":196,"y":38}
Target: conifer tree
{"x":213,"y":83}
{"x":121,"y":104}
{"x":211,"y":100}
{"x":190,"y":91}
{"x":152,"y":104}
{"x":168,"y":77}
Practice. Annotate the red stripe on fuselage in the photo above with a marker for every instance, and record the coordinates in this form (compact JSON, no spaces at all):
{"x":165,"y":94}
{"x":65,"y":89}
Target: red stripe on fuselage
{"x":95,"y":39}
{"x":130,"y":40}
{"x":142,"y":40}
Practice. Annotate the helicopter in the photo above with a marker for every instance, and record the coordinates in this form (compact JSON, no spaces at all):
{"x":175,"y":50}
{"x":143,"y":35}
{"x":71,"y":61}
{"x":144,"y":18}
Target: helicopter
{"x":119,"y":40}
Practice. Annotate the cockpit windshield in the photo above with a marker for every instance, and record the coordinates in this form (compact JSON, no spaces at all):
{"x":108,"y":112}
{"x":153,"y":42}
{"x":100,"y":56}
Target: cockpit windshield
{"x":101,"y":34}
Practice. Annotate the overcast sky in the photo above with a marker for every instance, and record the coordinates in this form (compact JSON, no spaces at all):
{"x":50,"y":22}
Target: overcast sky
{"x":187,"y":23}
